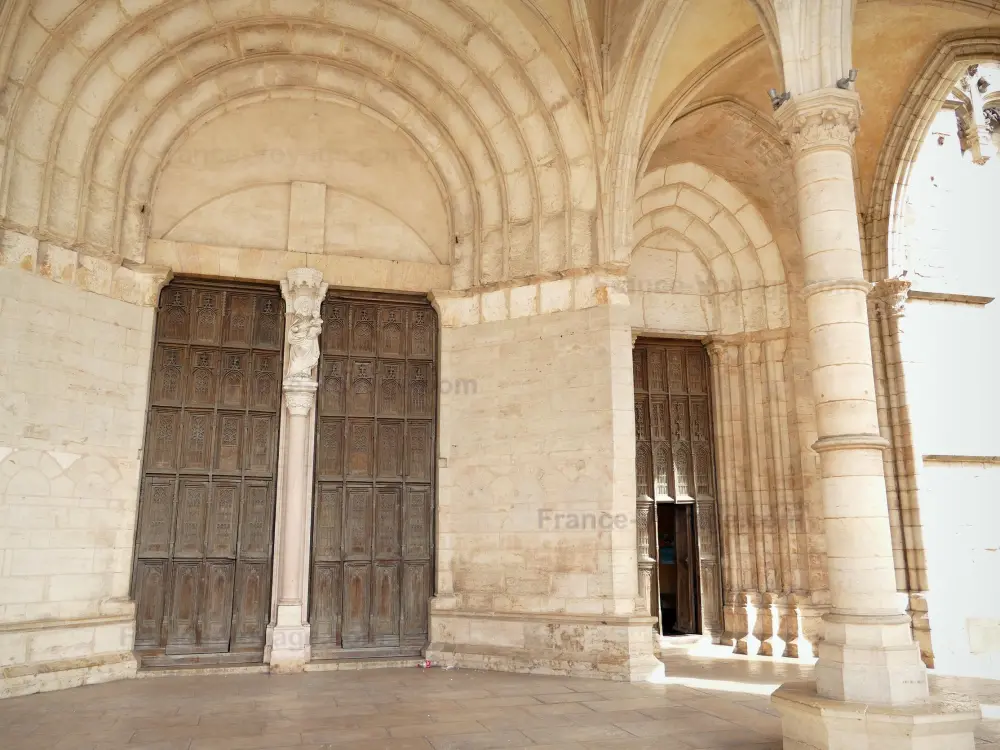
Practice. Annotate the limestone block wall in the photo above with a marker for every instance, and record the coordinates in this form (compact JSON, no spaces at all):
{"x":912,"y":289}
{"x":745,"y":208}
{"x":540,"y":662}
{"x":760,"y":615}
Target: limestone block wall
{"x":536,"y":525}
{"x":74,"y":363}
{"x":947,"y":533}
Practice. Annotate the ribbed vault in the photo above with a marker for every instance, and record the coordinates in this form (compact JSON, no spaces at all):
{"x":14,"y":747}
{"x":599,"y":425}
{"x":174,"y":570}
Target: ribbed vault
{"x":101,"y":91}
{"x":700,"y":243}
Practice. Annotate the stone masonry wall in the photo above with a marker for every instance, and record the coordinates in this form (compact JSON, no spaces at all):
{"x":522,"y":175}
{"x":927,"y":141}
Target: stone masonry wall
{"x":536,"y":522}
{"x":73,"y":371}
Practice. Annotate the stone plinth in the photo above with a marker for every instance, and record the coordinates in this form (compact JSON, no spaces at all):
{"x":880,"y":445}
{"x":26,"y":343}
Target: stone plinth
{"x":810,"y":722}
{"x":615,"y":648}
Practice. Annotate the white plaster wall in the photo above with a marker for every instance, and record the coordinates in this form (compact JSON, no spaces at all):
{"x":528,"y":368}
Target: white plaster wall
{"x":951,"y":365}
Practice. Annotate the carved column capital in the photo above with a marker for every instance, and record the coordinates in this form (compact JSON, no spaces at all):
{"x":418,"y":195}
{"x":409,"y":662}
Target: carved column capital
{"x":303,"y":290}
{"x":300,"y":395}
{"x":151,"y":280}
{"x":827,"y":118}
{"x":890,"y":295}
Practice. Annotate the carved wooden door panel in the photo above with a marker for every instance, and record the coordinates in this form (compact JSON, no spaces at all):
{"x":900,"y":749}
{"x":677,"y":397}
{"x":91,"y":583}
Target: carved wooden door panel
{"x":675,"y":461}
{"x":204,"y":538}
{"x":373,"y":507}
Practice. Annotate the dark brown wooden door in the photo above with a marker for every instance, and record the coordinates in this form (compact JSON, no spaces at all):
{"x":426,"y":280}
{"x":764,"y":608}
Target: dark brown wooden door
{"x":203,"y":552}
{"x":674,"y":462}
{"x":687,"y":614}
{"x":373,"y":509}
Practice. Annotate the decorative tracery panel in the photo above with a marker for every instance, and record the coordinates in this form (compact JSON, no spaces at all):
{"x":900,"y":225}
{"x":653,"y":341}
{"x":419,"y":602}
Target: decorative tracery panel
{"x":372,"y":538}
{"x":674,"y":450}
{"x":204,"y":541}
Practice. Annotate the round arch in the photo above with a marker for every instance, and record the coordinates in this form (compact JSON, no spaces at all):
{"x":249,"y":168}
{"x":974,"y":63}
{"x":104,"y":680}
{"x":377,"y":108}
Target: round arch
{"x":468,"y":80}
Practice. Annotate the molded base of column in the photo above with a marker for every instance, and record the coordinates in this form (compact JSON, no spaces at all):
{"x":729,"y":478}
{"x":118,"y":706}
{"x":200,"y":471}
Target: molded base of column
{"x":749,"y":643}
{"x":289,"y":640}
{"x":872,"y":660}
{"x":809,"y":722}
{"x":605,"y":647}
{"x":769,"y":616}
{"x":804,"y":626}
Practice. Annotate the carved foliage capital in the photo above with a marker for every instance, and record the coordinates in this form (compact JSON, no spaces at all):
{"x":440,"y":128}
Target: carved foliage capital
{"x":891,"y":295}
{"x":823,"y":119}
{"x":299,"y":397}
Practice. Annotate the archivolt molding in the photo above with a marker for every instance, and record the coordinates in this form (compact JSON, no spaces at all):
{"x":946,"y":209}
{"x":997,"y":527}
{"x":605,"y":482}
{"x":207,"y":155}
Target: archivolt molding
{"x":909,"y":128}
{"x":685,"y":208}
{"x":101,"y":89}
{"x":628,"y":101}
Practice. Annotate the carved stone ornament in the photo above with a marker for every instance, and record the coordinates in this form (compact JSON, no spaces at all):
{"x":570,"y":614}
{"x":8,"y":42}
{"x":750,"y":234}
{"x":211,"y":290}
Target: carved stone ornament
{"x":822,"y":119}
{"x":643,"y":512}
{"x":891,"y":294}
{"x":299,"y":397}
{"x":992,"y":115}
{"x":303,"y":290}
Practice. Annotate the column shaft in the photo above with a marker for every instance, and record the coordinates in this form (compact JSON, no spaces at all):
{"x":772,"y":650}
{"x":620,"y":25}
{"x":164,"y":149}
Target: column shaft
{"x":290,"y":591}
{"x":303,"y":290}
{"x":868,"y":654}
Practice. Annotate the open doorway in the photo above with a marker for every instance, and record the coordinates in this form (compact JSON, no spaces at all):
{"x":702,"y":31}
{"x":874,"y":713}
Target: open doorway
{"x":676,"y":571}
{"x":675,"y":468}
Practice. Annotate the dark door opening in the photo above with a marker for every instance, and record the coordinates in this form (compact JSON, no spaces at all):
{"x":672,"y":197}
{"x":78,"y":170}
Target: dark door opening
{"x":676,"y":569}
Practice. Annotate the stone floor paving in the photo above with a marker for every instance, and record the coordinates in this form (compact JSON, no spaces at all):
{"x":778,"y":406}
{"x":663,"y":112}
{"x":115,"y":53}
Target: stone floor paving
{"x":704,"y":704}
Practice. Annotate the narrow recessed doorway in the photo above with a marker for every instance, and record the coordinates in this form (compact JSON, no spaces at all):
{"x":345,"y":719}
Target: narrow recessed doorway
{"x":675,"y":467}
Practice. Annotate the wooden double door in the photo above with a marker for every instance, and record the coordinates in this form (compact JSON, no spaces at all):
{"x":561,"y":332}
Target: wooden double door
{"x":675,"y":466}
{"x":204,"y":537}
{"x":373,"y":500}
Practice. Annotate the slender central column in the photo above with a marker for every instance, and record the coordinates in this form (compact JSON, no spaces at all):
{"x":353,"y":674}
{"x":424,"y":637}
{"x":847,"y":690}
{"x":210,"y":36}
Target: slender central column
{"x":303,"y":291}
{"x":299,"y":398}
{"x":867,"y":654}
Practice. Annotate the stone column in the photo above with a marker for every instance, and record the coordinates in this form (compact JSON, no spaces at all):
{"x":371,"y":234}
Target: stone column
{"x":303,"y":291}
{"x":644,"y":508}
{"x":888,"y":304}
{"x":868,"y":662}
